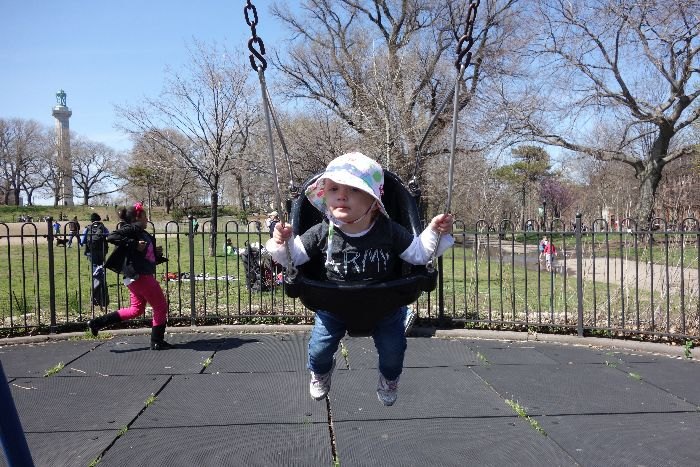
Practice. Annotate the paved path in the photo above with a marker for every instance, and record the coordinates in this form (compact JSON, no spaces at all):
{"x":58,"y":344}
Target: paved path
{"x":229,"y":398}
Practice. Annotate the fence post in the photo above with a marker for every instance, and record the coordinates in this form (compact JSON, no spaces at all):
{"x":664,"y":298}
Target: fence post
{"x":190,"y":236}
{"x":441,"y":292}
{"x":579,"y":274}
{"x":52,"y":276}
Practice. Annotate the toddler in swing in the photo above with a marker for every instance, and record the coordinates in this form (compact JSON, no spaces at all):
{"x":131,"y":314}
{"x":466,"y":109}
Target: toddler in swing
{"x":357,"y":242}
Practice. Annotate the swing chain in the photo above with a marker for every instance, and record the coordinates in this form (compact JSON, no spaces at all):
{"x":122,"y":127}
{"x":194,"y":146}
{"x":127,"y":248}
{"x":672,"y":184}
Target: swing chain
{"x":254,"y":53}
{"x":464,"y":55}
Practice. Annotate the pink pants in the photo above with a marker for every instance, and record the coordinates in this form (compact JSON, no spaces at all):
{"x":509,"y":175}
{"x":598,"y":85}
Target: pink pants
{"x":146,"y":289}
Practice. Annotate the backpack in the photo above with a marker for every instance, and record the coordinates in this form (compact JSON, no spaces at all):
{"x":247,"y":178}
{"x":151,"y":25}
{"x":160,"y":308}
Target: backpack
{"x":96,"y":242}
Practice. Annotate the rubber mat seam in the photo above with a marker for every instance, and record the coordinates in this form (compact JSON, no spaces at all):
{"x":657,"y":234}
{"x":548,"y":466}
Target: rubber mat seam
{"x":204,"y":368}
{"x":563,"y":449}
{"x":224,"y":425}
{"x":645,"y":381}
{"x":79,"y":356}
{"x":128,"y":425}
{"x":331,"y":432}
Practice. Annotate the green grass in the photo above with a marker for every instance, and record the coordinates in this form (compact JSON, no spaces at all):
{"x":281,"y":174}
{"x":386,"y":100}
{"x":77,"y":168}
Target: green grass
{"x":150,"y":400}
{"x":522,"y":413}
{"x":345,"y":353}
{"x":54,"y":369}
{"x":477,"y":288}
{"x":687,"y":347}
{"x":481,"y":288}
{"x":28,"y":278}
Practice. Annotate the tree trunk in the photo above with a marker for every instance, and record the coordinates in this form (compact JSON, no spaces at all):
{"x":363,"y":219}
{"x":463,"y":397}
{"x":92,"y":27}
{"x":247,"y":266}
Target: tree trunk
{"x":241,"y":192}
{"x":214,"y":216}
{"x":16,"y":195}
{"x":649,"y":178}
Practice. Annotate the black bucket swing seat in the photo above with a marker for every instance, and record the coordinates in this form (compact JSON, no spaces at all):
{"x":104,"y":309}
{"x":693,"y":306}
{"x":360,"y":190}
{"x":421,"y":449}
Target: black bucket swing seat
{"x":361,"y":305}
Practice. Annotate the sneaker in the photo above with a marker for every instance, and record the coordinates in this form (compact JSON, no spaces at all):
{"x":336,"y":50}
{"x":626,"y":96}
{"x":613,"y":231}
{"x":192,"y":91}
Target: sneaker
{"x":408,"y":320}
{"x":321,"y":384}
{"x":387,"y":390}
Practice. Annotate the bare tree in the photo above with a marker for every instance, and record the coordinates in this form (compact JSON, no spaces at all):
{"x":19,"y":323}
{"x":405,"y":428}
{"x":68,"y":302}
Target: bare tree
{"x":157,"y":169}
{"x":616,"y":80}
{"x":22,"y":144}
{"x":93,"y":168}
{"x":382,"y":67}
{"x":209,"y":105}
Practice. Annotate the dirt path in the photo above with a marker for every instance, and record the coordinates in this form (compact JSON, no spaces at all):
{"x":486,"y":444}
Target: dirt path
{"x":617,"y":271}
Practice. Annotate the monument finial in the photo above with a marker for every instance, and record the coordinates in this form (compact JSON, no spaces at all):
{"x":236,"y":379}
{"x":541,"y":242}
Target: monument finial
{"x":61,"y":97}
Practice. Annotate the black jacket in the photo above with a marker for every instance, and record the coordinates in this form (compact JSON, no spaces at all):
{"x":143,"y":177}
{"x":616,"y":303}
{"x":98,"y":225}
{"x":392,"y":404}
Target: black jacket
{"x":126,"y":259}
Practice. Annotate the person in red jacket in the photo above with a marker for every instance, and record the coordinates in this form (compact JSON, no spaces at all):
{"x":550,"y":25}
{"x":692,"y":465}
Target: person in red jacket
{"x":550,"y":252}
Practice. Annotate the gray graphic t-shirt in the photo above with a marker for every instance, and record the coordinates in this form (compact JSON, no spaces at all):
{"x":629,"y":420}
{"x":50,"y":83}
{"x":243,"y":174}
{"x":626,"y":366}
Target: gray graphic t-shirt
{"x":371,"y":257}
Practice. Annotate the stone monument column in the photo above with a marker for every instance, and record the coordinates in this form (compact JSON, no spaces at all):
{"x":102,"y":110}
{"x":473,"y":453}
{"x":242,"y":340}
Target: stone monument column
{"x":62,"y":113}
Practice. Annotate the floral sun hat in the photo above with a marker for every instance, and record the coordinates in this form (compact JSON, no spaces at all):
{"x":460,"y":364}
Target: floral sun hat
{"x":353,"y":169}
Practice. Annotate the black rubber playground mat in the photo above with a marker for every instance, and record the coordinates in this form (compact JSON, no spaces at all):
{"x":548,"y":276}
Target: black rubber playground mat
{"x":34,"y":359}
{"x":66,"y":448}
{"x":233,"y":398}
{"x":578,"y":389}
{"x":69,"y":404}
{"x":509,"y":353}
{"x":423,"y":393}
{"x":421,"y":352}
{"x":445,"y":442}
{"x":679,"y":377}
{"x":575,"y":354}
{"x":233,"y":445}
{"x":629,"y":439}
{"x":262,"y":353}
{"x":130,"y":357}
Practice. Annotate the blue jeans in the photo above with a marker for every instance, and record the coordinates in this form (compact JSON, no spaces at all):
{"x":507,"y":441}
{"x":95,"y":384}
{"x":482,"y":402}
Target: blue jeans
{"x":388,"y":335}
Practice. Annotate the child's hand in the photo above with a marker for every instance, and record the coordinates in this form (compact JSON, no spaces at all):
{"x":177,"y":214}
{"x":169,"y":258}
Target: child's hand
{"x":282,"y":233}
{"x":442,"y":223}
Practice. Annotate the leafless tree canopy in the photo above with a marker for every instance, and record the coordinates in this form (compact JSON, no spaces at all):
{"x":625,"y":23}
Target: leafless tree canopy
{"x":209,"y":106}
{"x":382,"y":67}
{"x":94,"y":168}
{"x":25,"y":145}
{"x":613,"y":79}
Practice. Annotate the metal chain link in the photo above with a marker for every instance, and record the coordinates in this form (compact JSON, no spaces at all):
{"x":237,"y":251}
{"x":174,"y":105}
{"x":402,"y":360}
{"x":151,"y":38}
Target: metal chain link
{"x":254,"y":53}
{"x":464,"y":55}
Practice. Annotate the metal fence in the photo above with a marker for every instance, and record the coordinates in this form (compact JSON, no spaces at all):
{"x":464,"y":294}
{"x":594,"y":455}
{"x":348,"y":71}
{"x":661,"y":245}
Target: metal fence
{"x":613,"y":282}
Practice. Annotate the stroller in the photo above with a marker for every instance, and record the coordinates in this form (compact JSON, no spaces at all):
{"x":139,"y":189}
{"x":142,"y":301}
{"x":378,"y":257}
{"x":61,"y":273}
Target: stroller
{"x":259,"y":274}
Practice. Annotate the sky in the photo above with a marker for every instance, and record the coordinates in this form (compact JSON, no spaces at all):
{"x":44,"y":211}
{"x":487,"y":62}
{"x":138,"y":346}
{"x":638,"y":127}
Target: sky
{"x":104,"y":54}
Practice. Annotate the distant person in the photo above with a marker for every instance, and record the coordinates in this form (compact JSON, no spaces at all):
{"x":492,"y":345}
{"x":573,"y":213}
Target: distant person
{"x":272,"y":221}
{"x":73,"y":231}
{"x":550,"y":252}
{"x":56,"y":227}
{"x":135,"y":257}
{"x":228,"y":248}
{"x":195,"y":225}
{"x":541,"y":246}
{"x":95,"y":247}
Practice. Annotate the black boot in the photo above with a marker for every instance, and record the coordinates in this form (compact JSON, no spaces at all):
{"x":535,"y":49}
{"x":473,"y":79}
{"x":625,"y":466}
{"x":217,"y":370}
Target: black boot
{"x":103,"y":321}
{"x":157,"y":335}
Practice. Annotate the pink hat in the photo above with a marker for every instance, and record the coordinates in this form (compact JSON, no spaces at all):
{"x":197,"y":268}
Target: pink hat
{"x":353,"y":169}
